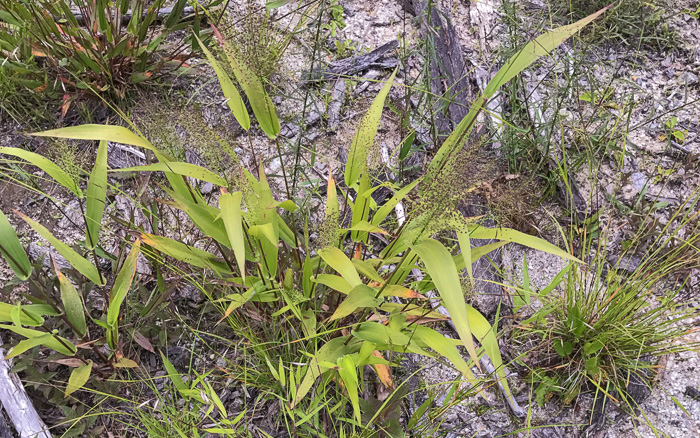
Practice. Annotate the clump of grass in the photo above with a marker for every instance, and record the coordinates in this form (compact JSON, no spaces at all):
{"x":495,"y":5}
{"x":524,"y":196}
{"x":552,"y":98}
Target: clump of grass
{"x":612,"y":321}
{"x":632,"y":22}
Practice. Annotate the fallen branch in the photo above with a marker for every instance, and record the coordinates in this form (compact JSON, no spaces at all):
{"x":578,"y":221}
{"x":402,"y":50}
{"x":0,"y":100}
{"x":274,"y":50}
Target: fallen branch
{"x":17,"y":404}
{"x":379,"y":58}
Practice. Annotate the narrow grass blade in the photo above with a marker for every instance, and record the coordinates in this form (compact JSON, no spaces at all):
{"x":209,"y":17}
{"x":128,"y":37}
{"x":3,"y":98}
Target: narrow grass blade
{"x":261,"y":103}
{"x":364,"y":137}
{"x":443,"y":272}
{"x":232,"y":216}
{"x":113,"y":133}
{"x":12,"y":251}
{"x":121,"y":288}
{"x":76,"y":260}
{"x":78,"y":378}
{"x":96,"y":195}
{"x":47,"y":166}
{"x":510,"y":235}
{"x":235,"y":102}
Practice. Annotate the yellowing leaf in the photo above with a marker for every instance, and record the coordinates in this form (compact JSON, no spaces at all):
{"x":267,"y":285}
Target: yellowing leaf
{"x":78,"y":378}
{"x":113,"y":133}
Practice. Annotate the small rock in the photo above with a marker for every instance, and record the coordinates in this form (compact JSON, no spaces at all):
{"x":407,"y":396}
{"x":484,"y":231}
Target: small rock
{"x":688,"y":78}
{"x":639,"y":180}
{"x":692,"y":393}
{"x":35,"y":251}
{"x":207,"y":188}
{"x":73,"y":217}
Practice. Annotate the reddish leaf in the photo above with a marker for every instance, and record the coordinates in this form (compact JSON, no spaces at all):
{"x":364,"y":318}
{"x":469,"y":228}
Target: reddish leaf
{"x":143,"y":341}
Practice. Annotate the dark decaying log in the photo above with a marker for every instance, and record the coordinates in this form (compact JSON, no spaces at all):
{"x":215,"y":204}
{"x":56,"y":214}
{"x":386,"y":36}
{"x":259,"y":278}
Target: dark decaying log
{"x":16,"y":402}
{"x":382,"y":57}
{"x":447,"y":66}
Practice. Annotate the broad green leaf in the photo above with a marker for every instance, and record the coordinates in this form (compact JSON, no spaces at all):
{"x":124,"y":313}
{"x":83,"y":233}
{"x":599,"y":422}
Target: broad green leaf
{"x":445,"y":347}
{"x":443,"y":272}
{"x":329,"y":352}
{"x":388,"y":206}
{"x":47,"y":166}
{"x":12,"y":251}
{"x":232,"y":216}
{"x":76,"y":260}
{"x":72,"y":304}
{"x":122,"y":285}
{"x":337,"y":260}
{"x":348,"y":373}
{"x":179,"y":168}
{"x":29,"y":343}
{"x":364,"y":137}
{"x":365,"y":268}
{"x":55,"y":342}
{"x":386,"y":337}
{"x":261,"y":103}
{"x":31,"y":313}
{"x":185,"y":253}
{"x":334,"y":282}
{"x":510,"y":235}
{"x":360,"y":296}
{"x":230,"y":91}
{"x":96,"y":195}
{"x":113,"y":133}
{"x":542,"y":45}
{"x":483,"y":332}
{"x":78,"y":378}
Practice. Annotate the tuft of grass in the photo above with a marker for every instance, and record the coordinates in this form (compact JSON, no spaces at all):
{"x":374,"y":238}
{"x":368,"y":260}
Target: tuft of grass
{"x":615,"y":317}
{"x":632,"y":22}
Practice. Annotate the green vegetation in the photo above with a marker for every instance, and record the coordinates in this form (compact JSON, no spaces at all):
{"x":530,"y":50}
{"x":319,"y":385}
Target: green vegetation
{"x":311,"y":290}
